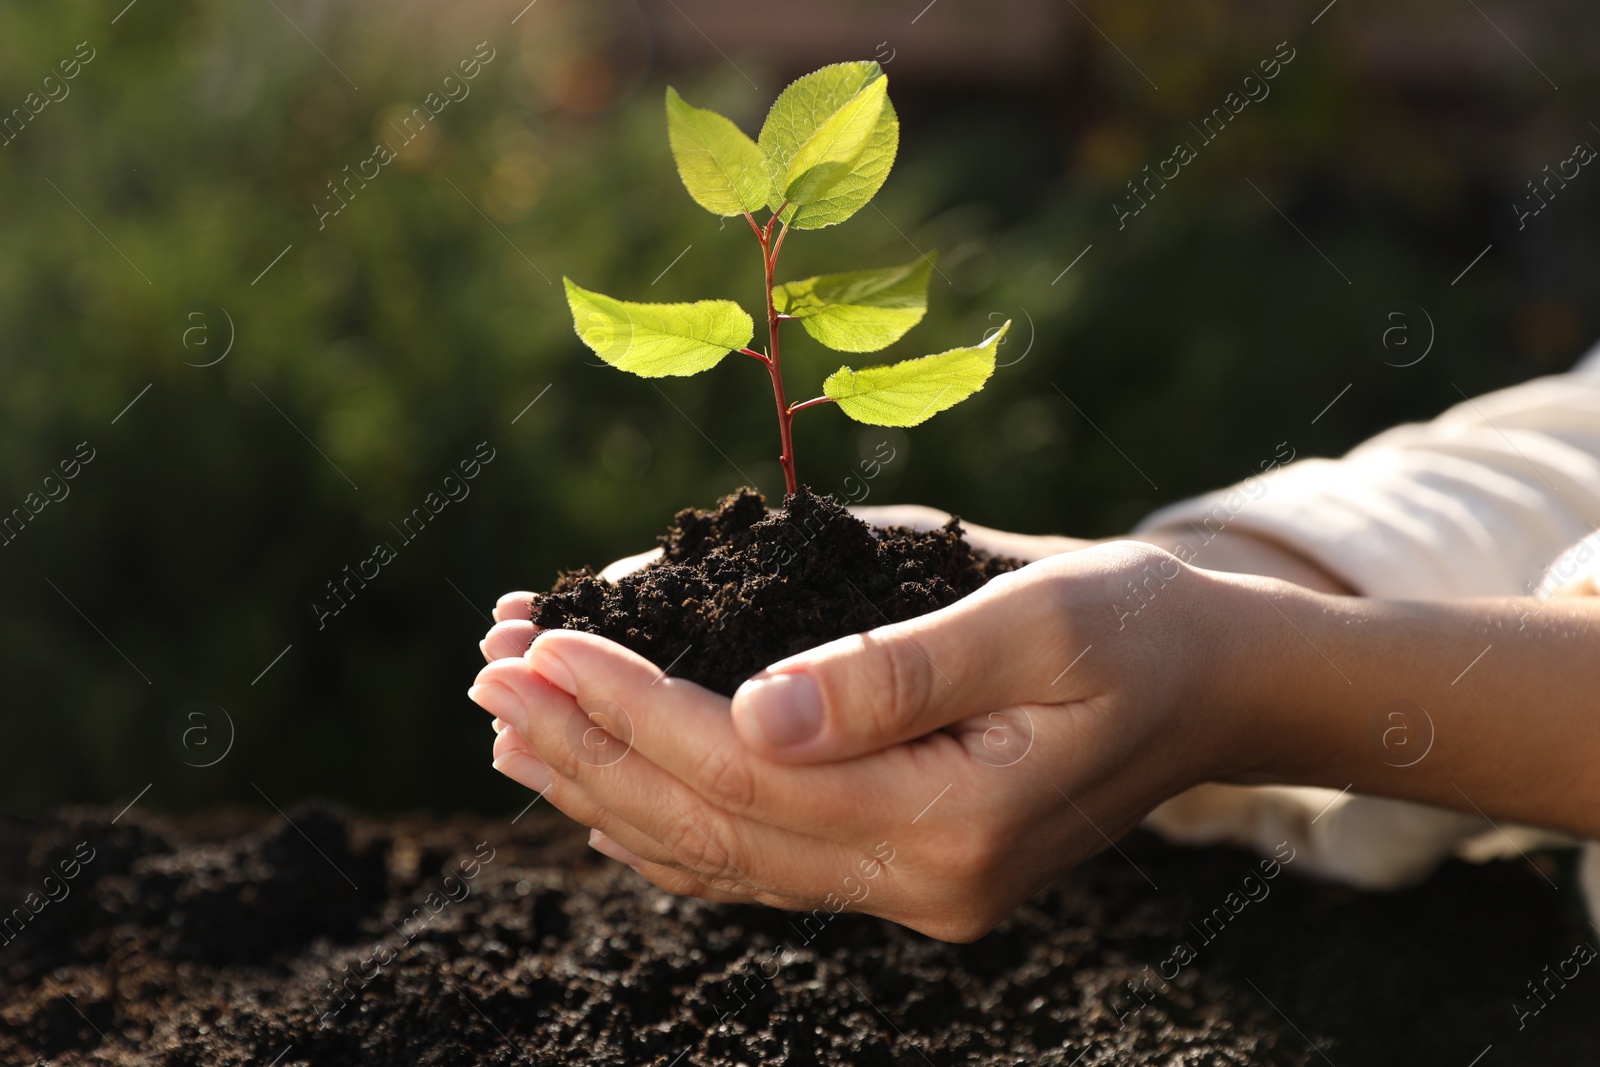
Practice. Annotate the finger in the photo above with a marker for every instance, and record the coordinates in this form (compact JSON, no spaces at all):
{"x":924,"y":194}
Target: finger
{"x":512,"y":606}
{"x":608,"y":847}
{"x":671,"y":879}
{"x":555,"y":728}
{"x":629,"y":564}
{"x":576,"y":803}
{"x":510,"y":637}
{"x":508,"y":741}
{"x":617,"y":783}
{"x":524,"y":768}
{"x":517,"y":761}
{"x":868,"y":691}
{"x":685,"y":730}
{"x":680,"y":884}
{"x":634,"y":801}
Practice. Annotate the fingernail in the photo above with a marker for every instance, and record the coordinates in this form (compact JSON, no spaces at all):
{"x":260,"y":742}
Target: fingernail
{"x":783,"y":709}
{"x":607,"y":847}
{"x":551,"y":669}
{"x":500,"y":702}
{"x":497,"y":726}
{"x":528,"y":771}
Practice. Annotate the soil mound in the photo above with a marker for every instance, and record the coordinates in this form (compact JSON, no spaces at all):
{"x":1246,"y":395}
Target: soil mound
{"x":737,"y":588}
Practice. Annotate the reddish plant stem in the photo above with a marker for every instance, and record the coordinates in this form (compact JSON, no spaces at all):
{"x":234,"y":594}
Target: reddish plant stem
{"x":769,"y":260}
{"x":773,"y":359}
{"x":778,"y":245}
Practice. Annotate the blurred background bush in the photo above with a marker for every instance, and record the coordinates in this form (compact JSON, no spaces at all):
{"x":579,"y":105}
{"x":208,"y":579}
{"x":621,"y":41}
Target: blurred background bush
{"x":384,"y":345}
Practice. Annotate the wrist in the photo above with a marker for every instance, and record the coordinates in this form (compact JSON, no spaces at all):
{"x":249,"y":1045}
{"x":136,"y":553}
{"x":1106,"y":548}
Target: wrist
{"x":1242,"y":552}
{"x":1242,"y":673}
{"x":1294,"y":671}
{"x":1388,"y":698}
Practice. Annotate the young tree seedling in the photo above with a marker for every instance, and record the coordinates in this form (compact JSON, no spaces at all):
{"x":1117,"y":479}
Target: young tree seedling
{"x":823,"y":152}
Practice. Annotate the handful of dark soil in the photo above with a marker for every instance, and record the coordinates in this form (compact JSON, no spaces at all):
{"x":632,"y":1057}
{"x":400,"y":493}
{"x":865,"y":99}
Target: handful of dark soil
{"x":737,"y":589}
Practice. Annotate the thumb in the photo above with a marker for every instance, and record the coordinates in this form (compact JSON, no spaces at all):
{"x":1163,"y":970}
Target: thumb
{"x":868,"y":691}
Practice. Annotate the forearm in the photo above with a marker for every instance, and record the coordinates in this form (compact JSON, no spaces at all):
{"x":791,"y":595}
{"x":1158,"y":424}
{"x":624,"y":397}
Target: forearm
{"x":1478,"y":705}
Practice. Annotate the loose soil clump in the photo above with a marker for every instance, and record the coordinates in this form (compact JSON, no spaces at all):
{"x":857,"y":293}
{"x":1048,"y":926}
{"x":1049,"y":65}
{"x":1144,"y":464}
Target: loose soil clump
{"x":737,"y":588}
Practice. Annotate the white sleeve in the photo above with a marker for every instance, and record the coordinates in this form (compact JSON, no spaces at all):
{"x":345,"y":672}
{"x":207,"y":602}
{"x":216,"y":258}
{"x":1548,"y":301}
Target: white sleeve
{"x":1475,"y":503}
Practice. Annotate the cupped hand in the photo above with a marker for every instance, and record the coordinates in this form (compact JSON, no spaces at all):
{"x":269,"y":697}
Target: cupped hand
{"x":1035,"y":730}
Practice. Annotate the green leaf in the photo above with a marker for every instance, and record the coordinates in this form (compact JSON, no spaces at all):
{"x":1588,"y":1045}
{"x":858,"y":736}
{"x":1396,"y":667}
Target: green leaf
{"x":799,"y":112}
{"x":657,"y":340}
{"x":904,"y":394}
{"x":833,"y":151}
{"x":861,"y":311}
{"x":723,"y":169}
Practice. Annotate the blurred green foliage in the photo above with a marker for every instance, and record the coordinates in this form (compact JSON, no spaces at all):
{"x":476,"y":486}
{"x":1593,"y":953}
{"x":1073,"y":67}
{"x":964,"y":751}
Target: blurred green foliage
{"x":380,"y":350}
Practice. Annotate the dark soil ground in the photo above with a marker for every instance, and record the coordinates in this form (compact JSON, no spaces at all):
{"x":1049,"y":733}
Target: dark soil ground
{"x":737,"y":589}
{"x":218,"y":940}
